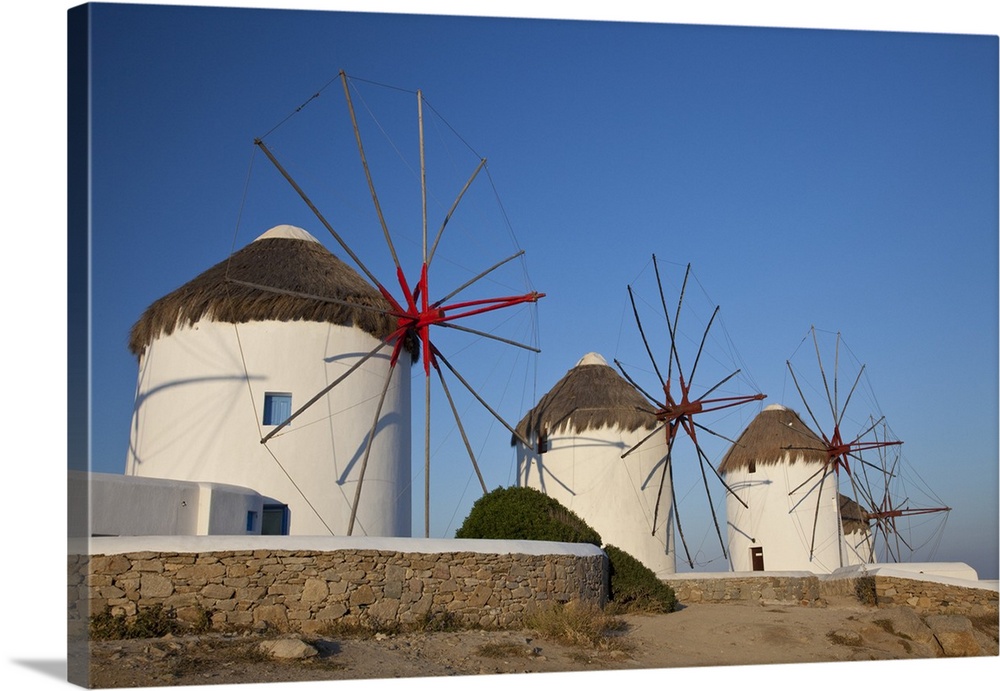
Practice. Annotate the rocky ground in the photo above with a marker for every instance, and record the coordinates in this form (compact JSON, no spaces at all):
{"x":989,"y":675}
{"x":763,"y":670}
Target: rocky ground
{"x":694,"y":636}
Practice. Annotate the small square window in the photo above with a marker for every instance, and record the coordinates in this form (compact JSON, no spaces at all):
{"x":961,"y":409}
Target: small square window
{"x":277,"y":408}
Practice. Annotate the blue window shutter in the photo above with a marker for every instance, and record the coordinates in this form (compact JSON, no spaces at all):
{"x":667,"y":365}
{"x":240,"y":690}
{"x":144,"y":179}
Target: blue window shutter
{"x":277,"y":408}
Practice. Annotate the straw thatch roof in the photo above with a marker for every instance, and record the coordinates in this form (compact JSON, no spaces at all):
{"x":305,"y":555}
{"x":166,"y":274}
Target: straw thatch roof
{"x":852,"y":516}
{"x":776,"y":433}
{"x":284,"y":258}
{"x":590,"y":396}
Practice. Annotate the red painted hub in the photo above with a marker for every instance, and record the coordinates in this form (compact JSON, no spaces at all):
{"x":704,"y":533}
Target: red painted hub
{"x":415,"y":320}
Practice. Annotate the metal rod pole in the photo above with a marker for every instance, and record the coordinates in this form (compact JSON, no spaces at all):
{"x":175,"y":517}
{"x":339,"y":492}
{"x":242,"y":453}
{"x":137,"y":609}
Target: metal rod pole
{"x":490,"y":336}
{"x":427,"y":456}
{"x":461,"y":429}
{"x":423,"y":173}
{"x":312,"y":207}
{"x":437,"y":353}
{"x":368,"y":175}
{"x":482,"y":162}
{"x":642,"y":334}
{"x":472,"y":280}
{"x":311,"y":296}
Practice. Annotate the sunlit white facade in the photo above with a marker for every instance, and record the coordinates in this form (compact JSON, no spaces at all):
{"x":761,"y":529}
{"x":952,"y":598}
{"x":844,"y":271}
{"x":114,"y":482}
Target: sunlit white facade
{"x":208,"y":393}
{"x":626,"y":500}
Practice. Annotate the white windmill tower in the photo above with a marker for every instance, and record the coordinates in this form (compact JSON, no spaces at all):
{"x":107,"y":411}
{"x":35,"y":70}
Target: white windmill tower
{"x":818,"y":500}
{"x":576,"y":436}
{"x":223,"y":363}
{"x":432,"y":299}
{"x":783,"y":514}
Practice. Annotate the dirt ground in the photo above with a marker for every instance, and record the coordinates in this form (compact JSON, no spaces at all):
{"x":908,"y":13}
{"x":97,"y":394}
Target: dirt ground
{"x":694,"y":636}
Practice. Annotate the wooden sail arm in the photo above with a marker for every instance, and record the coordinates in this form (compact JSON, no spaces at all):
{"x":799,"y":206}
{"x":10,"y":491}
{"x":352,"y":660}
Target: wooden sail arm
{"x":896,"y":513}
{"x":673,"y":411}
{"x":483,"y":306}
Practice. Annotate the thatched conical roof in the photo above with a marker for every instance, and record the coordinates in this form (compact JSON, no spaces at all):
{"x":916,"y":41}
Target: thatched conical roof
{"x":283,"y":258}
{"x":852,"y":516}
{"x":590,"y":396}
{"x":776,"y":433}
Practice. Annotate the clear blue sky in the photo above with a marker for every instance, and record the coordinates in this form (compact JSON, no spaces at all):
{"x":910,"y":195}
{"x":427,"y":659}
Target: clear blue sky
{"x":842,"y":179}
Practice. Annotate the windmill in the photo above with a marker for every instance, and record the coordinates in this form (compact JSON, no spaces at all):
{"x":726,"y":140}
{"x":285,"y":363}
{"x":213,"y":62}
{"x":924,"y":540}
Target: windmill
{"x":868,"y":484}
{"x":895,"y":496}
{"x":421,"y":314}
{"x":682,"y":401}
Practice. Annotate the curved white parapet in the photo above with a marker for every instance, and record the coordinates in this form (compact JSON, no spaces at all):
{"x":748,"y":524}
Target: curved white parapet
{"x":945,"y":573}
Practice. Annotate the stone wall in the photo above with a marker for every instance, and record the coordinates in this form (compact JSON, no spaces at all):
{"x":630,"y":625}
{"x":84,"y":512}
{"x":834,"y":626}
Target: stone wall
{"x":925,"y":596}
{"x":308,"y":591}
{"x":934,"y":598}
{"x":764,"y":589}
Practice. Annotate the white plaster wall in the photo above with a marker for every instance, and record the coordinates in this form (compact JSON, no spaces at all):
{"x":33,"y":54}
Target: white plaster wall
{"x":225,"y":512}
{"x":122,"y":505}
{"x":781,"y":520}
{"x":199,"y":408}
{"x":615,"y":496}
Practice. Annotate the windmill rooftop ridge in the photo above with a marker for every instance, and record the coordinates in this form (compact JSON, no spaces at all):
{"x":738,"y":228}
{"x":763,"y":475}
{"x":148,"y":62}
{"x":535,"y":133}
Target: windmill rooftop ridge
{"x":592,"y":359}
{"x":287,"y":231}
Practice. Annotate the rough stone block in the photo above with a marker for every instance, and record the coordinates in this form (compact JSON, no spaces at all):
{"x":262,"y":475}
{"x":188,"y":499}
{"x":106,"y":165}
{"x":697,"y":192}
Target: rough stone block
{"x":288,"y":649}
{"x":955,"y":634}
{"x":314,"y":590}
{"x":275,"y":615}
{"x":330,"y":612}
{"x":215,"y":591}
{"x":154,"y":586}
{"x":364,"y":595}
{"x":384,"y":610}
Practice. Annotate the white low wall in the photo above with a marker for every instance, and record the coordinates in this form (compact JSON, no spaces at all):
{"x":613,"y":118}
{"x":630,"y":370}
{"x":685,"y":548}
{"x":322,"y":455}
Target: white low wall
{"x":127,"y":505}
{"x":190,"y":544}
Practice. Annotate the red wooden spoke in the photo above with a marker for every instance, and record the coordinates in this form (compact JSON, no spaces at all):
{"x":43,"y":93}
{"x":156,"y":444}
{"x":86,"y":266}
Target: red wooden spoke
{"x":838,"y":451}
{"x":684,"y":409}
{"x":417,"y":320}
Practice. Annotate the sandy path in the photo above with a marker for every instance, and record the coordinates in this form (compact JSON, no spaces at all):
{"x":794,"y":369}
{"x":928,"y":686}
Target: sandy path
{"x":694,"y":636}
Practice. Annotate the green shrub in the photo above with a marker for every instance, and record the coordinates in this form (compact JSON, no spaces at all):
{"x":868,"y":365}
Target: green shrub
{"x":634,"y":586}
{"x":524,"y":513}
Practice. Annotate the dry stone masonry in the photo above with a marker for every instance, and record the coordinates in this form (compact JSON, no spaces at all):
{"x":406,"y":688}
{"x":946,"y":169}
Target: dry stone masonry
{"x":794,"y":589}
{"x":307,"y":591}
{"x":934,"y":598}
{"x":883,"y":591}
